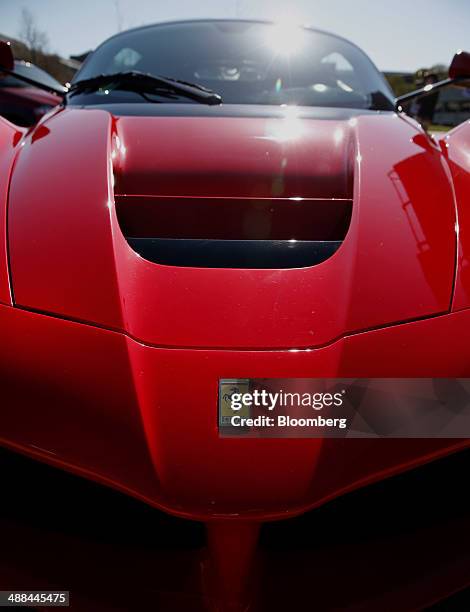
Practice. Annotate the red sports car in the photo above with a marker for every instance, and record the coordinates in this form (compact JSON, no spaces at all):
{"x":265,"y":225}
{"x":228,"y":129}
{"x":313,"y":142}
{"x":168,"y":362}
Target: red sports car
{"x":25,"y":104}
{"x":216,"y":203}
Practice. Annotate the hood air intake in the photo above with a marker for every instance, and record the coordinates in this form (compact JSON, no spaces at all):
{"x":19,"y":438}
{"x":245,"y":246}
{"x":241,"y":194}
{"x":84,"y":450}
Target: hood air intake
{"x":234,"y":232}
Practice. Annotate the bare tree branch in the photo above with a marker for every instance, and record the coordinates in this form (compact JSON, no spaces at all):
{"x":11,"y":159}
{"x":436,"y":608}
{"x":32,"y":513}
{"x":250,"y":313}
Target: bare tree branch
{"x":36,"y":39}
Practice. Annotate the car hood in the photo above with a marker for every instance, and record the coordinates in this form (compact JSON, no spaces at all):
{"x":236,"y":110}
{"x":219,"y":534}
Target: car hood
{"x":87,"y":183}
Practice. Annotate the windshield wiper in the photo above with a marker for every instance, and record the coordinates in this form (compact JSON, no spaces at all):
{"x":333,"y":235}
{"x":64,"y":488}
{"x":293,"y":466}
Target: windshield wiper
{"x":138,"y":81}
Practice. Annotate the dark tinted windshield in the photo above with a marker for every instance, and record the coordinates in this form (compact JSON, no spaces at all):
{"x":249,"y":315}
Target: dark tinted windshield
{"x":28,"y":70}
{"x":245,"y":62}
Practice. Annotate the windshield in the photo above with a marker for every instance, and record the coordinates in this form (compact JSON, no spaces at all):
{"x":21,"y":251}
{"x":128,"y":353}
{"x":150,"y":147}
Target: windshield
{"x":28,"y":70}
{"x":244,"y":62}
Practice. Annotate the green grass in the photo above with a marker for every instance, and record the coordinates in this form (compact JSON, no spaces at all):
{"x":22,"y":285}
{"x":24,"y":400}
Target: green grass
{"x":439,"y":128}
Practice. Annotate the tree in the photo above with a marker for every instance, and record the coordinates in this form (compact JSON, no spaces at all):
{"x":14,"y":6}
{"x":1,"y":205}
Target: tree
{"x":36,"y":39}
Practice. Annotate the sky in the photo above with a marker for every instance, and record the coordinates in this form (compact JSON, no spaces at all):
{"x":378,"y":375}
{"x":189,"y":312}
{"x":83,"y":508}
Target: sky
{"x":396,"y":34}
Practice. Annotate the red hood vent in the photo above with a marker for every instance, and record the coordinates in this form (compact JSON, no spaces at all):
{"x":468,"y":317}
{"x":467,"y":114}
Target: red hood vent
{"x":70,"y":258}
{"x":233,"y":232}
{"x":234,"y":194}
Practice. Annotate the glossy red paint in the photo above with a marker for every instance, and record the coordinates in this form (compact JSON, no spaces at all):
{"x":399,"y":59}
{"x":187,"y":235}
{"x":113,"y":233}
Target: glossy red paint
{"x":144,"y":419}
{"x":396,"y":263}
{"x":10,"y":136}
{"x":80,"y":285}
{"x":456,"y":147}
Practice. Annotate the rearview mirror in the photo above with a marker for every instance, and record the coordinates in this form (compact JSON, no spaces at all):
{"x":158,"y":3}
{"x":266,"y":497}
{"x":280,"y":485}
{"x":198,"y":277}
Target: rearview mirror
{"x":6,"y":56}
{"x":459,"y":74}
{"x":460,"y":66}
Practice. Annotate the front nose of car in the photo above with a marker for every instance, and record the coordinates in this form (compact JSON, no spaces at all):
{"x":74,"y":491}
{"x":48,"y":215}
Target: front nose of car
{"x":167,"y":331}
